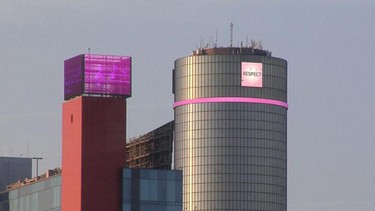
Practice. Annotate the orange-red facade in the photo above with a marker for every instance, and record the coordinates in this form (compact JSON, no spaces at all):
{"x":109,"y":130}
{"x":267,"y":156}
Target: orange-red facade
{"x":94,"y":131}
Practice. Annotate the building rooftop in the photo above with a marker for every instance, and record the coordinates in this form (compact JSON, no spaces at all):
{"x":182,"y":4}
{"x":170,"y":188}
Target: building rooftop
{"x":48,"y":174}
{"x":231,"y":51}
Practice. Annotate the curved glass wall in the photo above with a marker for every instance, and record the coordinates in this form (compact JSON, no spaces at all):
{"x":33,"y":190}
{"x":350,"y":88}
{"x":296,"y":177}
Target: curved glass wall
{"x":233,"y":154}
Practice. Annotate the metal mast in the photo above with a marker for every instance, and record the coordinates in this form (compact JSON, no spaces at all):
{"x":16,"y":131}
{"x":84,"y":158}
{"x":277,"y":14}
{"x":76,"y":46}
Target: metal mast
{"x":231,"y":34}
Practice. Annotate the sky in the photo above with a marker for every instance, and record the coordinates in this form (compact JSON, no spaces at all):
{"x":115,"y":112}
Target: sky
{"x":329,"y":46}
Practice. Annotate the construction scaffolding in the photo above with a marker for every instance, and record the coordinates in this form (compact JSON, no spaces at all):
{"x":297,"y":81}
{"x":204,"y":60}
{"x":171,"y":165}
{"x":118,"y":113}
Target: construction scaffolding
{"x":152,"y":150}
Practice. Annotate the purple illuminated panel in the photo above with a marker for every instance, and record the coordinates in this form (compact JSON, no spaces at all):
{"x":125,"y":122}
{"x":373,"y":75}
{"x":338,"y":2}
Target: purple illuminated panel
{"x":231,"y":100}
{"x":73,"y":77}
{"x":107,"y":75}
{"x":93,"y":74}
{"x":251,"y":74}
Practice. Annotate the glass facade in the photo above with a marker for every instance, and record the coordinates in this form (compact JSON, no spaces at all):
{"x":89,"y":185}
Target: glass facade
{"x":152,"y":190}
{"x":93,"y":74}
{"x":233,"y":154}
{"x":42,"y":195}
{"x":142,"y":190}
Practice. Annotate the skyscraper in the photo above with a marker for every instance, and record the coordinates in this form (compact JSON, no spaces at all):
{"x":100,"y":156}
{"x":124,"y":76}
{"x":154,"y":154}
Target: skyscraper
{"x":230,"y":108}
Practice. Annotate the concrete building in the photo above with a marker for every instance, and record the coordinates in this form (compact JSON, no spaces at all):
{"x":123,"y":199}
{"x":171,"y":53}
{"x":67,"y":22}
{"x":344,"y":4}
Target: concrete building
{"x":230,"y":107}
{"x":151,"y":150}
{"x":13,"y":169}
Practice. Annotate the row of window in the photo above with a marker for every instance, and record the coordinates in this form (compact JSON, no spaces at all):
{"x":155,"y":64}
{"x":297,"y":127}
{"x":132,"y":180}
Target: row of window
{"x":249,"y":195}
{"x":199,"y":186}
{"x":208,"y":107}
{"x":277,"y":169}
{"x":218,"y":133}
{"x":237,"y":172}
{"x":246,"y":146}
{"x":264,"y":138}
{"x":227,"y":125}
{"x":238,"y":178}
{"x":214,"y":80}
{"x":235,"y":161}
{"x":276,"y":140}
{"x":247,"y":116}
{"x":258,"y":139}
{"x":224,"y":155}
{"x":244,"y":161}
{"x":200,"y":149}
{"x":236,"y":205}
{"x":225,"y":128}
{"x":229,"y":91}
{"x":228,"y":119}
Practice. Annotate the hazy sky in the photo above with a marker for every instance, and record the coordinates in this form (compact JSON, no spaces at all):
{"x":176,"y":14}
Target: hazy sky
{"x":329,"y":45}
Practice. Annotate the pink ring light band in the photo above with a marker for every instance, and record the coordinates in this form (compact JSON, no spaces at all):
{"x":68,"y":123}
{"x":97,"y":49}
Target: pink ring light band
{"x":231,"y":100}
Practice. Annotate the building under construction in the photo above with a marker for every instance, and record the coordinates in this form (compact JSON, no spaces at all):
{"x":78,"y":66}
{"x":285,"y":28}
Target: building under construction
{"x":152,"y":150}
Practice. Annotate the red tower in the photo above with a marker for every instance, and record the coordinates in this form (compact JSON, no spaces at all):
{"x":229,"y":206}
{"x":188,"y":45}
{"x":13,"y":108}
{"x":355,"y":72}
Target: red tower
{"x":94,"y":131}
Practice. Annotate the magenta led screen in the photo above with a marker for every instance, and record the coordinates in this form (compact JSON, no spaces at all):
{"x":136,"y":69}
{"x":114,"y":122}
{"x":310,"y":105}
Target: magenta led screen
{"x":109,"y":75}
{"x":73,"y":77}
{"x":93,"y":74}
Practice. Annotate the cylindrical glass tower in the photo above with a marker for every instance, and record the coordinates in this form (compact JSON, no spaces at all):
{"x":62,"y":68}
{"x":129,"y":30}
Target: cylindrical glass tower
{"x":231,"y":129}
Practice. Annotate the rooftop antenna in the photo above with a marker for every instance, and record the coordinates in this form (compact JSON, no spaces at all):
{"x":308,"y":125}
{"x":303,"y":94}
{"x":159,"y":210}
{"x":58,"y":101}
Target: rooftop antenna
{"x":216,"y":39}
{"x":200,"y":41}
{"x":28,"y":148}
{"x":231,"y":34}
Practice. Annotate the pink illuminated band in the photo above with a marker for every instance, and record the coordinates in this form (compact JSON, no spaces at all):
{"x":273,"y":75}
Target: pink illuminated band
{"x":231,"y":100}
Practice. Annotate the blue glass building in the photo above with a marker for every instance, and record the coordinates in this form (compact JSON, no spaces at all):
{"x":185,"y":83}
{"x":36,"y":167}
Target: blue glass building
{"x":152,"y":190}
